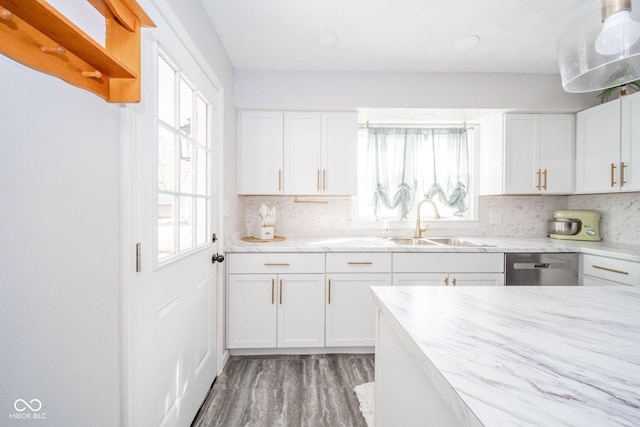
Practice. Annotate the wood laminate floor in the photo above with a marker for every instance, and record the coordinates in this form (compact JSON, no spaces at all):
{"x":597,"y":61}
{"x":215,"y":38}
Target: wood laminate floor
{"x":308,"y":390}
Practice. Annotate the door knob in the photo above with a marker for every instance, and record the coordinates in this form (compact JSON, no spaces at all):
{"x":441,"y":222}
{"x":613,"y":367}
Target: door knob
{"x":217,"y":258}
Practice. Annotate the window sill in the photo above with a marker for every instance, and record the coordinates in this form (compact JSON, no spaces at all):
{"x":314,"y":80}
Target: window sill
{"x":434,"y":224}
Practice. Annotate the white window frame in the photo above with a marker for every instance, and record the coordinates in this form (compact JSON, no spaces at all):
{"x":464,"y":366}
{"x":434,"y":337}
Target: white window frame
{"x":177,"y":192}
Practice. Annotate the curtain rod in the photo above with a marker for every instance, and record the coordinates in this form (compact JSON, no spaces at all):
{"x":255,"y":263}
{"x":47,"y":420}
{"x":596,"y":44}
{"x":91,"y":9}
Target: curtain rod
{"x":367,"y":125}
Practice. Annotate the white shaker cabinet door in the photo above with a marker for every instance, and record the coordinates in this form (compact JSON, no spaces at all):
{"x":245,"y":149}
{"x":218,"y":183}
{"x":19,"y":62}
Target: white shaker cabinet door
{"x":251,"y":311}
{"x":339,"y":145}
{"x":260,"y":152}
{"x":522,"y":140}
{"x":598,"y":148}
{"x":301,"y":310}
{"x":476,"y":279}
{"x":419,"y":279}
{"x":539,"y":153}
{"x":557,"y":153}
{"x":303,"y":153}
{"x":351,"y":312}
{"x":630,"y":143}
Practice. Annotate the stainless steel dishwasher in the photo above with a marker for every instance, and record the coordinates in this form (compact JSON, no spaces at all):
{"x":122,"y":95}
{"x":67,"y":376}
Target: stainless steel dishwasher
{"x":541,"y":269}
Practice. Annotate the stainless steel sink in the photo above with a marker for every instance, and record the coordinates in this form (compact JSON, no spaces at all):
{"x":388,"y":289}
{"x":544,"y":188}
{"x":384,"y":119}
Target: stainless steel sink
{"x":412,"y":241}
{"x":455,"y":241}
{"x":436,"y":241}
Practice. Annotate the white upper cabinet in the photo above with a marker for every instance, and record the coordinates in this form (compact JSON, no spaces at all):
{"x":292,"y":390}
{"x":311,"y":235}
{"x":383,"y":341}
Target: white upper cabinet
{"x":303,"y":153}
{"x":608,"y":147}
{"x":630,"y":143}
{"x":317,"y":153}
{"x":598,"y":148}
{"x":339,"y":153}
{"x":539,"y":153}
{"x":260,"y":152}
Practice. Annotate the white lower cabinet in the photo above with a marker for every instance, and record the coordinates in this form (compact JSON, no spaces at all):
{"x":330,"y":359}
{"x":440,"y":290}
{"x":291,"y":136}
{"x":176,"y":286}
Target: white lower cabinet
{"x":301,"y":310}
{"x":447,"y":269}
{"x":315,"y":300}
{"x":269,"y":310}
{"x":251,"y":311}
{"x":350,"y":310}
{"x":603,"y":271}
{"x":275,"y":300}
{"x":448,"y":279}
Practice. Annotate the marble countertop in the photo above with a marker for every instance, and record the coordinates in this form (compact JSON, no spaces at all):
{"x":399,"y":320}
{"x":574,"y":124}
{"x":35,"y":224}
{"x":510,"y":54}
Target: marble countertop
{"x":516,"y":356}
{"x":378,"y":244}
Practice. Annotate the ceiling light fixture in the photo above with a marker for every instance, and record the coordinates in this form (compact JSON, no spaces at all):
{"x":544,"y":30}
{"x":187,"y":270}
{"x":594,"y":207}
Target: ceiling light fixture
{"x":594,"y":56}
{"x":619,"y":32}
{"x":466,"y":43}
{"x":326,"y":39}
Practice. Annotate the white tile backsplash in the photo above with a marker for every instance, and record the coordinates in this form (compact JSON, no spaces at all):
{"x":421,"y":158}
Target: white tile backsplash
{"x":619,"y":214}
{"x":328,"y":218}
{"x":520,"y":216}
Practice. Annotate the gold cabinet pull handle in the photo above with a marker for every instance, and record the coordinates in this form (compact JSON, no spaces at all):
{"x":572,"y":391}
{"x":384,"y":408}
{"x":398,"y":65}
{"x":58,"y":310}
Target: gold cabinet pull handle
{"x":613,"y":174}
{"x":273,"y":291}
{"x":539,"y":186}
{"x":280,"y":291}
{"x":622,"y":181}
{"x":359,"y":263}
{"x":281,"y":264}
{"x":329,"y":297}
{"x":453,"y":282}
{"x":610,"y":269}
{"x":446,"y":281}
{"x":279,"y":179}
{"x":544,"y":186}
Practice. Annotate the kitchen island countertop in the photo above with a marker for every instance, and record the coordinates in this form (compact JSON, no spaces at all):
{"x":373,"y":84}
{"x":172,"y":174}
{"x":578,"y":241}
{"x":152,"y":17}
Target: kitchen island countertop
{"x":525,"y":355}
{"x":378,"y":244}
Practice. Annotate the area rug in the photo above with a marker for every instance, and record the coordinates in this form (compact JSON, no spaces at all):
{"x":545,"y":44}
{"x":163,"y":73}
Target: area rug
{"x":366,"y":395}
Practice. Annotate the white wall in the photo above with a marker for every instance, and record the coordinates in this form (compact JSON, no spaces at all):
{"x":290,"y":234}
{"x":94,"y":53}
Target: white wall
{"x":59,"y":227}
{"x":348,"y":90}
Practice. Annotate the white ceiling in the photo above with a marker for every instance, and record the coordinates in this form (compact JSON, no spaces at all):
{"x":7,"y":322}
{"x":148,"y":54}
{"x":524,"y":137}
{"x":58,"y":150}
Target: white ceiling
{"x":516,"y":36}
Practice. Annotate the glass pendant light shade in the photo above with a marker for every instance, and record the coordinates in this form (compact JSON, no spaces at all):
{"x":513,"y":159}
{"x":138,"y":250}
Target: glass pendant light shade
{"x":595,"y":56}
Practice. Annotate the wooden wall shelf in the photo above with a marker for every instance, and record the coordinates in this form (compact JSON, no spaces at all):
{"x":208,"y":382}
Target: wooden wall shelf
{"x":35,"y":34}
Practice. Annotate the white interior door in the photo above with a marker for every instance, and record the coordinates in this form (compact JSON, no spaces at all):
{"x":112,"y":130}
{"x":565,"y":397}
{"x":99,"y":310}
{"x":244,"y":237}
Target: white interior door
{"x":172,"y":299}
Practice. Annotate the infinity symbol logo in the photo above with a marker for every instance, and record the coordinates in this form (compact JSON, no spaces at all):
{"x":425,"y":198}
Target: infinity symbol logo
{"x":22,"y":405}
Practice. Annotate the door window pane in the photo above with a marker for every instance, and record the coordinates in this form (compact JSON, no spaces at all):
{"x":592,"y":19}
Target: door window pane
{"x":166,"y":92}
{"x":166,"y":227}
{"x":201,"y":172}
{"x":166,"y":159}
{"x":201,"y":220}
{"x":201,"y":123}
{"x":186,"y":107}
{"x":186,"y":169}
{"x":186,"y":223}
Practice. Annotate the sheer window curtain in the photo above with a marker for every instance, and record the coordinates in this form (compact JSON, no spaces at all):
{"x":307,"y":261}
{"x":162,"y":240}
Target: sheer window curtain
{"x":405,"y":165}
